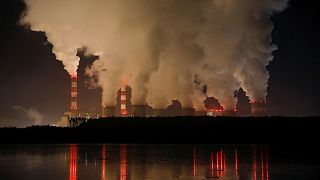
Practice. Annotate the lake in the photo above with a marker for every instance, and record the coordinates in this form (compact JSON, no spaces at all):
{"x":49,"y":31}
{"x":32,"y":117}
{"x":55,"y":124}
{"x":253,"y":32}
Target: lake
{"x":149,"y":162}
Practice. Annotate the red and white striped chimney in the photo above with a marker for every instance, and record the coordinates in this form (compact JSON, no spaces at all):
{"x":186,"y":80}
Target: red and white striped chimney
{"x":123,"y":98}
{"x":74,"y":95}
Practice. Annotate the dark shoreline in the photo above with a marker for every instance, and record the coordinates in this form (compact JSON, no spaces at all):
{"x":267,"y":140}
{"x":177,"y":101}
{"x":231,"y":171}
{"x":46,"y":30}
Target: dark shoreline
{"x":288,"y":139}
{"x":185,"y":130}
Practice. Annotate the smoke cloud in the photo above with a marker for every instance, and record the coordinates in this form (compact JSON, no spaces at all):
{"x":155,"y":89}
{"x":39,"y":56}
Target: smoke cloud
{"x":159,"y":47}
{"x":30,"y":113}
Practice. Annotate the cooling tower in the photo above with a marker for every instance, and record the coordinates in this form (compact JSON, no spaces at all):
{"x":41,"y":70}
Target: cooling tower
{"x":258,"y":108}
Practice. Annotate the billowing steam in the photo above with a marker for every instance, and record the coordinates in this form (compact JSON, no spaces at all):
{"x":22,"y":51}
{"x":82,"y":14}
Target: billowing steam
{"x":30,"y":113}
{"x":165,"y":49}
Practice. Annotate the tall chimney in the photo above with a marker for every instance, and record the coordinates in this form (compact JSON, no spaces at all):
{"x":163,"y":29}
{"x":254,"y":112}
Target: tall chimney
{"x":123,"y":100}
{"x":258,"y":108}
{"x":74,"y":95}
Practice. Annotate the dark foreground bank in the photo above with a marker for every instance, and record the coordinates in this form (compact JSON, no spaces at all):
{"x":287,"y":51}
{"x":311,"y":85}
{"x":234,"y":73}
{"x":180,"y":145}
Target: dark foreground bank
{"x":190,"y":130}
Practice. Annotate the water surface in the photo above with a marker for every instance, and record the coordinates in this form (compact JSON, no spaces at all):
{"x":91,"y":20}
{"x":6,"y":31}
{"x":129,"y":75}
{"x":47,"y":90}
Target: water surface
{"x":147,"y":162}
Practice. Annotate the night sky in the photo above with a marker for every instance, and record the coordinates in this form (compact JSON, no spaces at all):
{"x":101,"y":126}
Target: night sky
{"x":31,"y":77}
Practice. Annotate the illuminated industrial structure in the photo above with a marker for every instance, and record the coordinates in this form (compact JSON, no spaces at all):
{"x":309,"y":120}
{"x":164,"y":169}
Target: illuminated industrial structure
{"x":74,"y":95}
{"x":123,"y":106}
{"x":220,"y":164}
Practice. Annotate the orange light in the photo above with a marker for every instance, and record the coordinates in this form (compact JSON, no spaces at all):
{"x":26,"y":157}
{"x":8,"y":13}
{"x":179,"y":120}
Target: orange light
{"x":124,"y":112}
{"x":211,"y":163}
{"x":103,"y":164}
{"x":236,"y":158}
{"x":217,"y":161}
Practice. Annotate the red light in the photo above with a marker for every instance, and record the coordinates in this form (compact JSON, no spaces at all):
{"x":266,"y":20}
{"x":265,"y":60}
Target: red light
{"x":73,"y":162}
{"x":221,"y":160}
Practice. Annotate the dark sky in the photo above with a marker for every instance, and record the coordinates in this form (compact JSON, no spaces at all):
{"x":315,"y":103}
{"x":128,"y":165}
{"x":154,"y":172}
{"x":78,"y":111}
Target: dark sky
{"x":31,"y":77}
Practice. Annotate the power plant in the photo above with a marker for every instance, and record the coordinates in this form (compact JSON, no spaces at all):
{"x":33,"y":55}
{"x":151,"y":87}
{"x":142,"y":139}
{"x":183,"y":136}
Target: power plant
{"x":124,"y":107}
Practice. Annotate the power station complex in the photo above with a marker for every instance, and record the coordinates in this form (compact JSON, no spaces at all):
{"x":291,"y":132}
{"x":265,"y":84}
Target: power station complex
{"x":124,"y":107}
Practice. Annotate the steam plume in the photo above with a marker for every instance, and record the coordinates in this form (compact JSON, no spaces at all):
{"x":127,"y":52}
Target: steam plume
{"x":159,"y":46}
{"x":30,"y":113}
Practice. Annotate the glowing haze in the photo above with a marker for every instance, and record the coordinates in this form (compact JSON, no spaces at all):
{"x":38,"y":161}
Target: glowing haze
{"x":164,"y":49}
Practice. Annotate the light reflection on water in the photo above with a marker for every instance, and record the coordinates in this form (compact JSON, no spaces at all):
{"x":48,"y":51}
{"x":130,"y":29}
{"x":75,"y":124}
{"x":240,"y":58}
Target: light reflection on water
{"x":137,"y":162}
{"x":220,"y":165}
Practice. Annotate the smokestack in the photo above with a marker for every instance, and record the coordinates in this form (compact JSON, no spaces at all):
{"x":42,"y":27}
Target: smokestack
{"x":74,"y":95}
{"x":123,"y":104}
{"x":258,"y":108}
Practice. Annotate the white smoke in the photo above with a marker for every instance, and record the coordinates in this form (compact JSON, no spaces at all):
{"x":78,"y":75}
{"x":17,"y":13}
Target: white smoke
{"x":159,"y":46}
{"x":30,"y":113}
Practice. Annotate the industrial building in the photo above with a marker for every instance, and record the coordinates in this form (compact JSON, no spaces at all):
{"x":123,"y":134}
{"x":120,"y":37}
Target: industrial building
{"x":124,"y":107}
